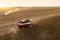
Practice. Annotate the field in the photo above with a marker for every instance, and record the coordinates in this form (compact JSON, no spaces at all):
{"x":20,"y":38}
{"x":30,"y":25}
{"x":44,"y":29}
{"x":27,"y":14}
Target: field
{"x":46,"y":23}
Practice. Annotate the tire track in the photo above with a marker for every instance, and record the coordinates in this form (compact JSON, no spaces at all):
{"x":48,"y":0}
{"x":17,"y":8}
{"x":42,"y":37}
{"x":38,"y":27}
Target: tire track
{"x":34,"y":19}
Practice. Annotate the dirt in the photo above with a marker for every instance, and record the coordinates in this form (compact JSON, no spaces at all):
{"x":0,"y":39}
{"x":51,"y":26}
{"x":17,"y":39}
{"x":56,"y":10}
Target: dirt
{"x":45,"y":26}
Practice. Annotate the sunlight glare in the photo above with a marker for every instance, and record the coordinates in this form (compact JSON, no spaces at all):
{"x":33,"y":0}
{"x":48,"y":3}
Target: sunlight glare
{"x":2,"y":5}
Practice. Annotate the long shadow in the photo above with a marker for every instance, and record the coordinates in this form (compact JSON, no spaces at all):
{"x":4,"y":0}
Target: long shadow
{"x":46,"y":29}
{"x":27,"y":34}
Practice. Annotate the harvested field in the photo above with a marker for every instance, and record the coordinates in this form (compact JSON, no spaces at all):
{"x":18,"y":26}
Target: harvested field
{"x":46,"y":24}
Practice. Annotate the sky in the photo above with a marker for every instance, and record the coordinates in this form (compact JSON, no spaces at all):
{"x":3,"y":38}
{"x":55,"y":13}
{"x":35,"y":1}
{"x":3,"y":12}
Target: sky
{"x":29,"y":3}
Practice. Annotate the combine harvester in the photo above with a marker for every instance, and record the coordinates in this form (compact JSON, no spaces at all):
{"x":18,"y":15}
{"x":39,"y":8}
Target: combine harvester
{"x":2,"y":14}
{"x":26,"y":23}
{"x":9,"y":11}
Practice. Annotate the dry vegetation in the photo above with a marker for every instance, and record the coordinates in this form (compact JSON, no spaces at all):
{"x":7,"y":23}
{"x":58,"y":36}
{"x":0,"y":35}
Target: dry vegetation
{"x":47,"y":28}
